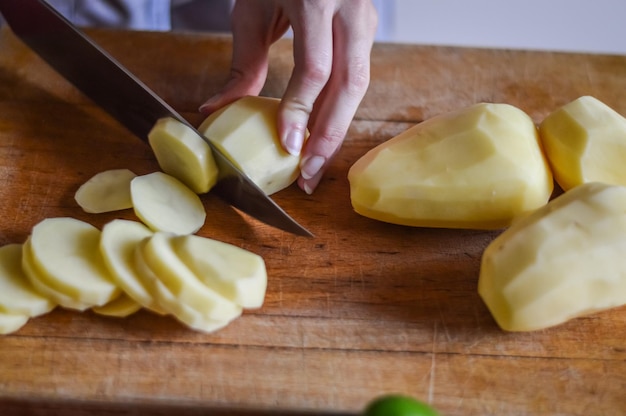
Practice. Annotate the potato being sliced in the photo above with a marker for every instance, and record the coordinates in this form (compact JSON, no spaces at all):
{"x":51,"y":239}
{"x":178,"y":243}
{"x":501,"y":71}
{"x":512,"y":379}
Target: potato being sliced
{"x":585,"y":141}
{"x":183,"y":154}
{"x":164,"y":203}
{"x":171,"y":303}
{"x":118,"y":242}
{"x":17,"y":294}
{"x":11,"y":322}
{"x":66,"y":251}
{"x":120,"y":307}
{"x":478,"y":167}
{"x":237,"y":274}
{"x":562,"y":261}
{"x":245,"y":131}
{"x":44,"y":285}
{"x":106,"y":191}
{"x":159,"y":255}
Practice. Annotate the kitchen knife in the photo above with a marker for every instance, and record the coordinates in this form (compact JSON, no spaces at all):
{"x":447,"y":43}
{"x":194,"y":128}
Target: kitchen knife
{"x":105,"y":81}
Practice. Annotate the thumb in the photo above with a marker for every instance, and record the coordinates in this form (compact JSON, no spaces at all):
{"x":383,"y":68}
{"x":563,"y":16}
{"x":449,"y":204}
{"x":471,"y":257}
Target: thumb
{"x":253,"y":35}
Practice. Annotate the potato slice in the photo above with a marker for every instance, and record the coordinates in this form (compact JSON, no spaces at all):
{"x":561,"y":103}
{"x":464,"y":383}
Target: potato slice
{"x":183,"y":154}
{"x":562,"y":261}
{"x":237,"y":274}
{"x":585,"y":141}
{"x":479,"y":167}
{"x":42,"y":283}
{"x":11,"y":322}
{"x":106,"y":191}
{"x":118,"y":242}
{"x":66,"y":251}
{"x":120,"y":307}
{"x":171,"y":303}
{"x":159,"y":255}
{"x":18,"y":296}
{"x":245,"y":131}
{"x":164,"y":203}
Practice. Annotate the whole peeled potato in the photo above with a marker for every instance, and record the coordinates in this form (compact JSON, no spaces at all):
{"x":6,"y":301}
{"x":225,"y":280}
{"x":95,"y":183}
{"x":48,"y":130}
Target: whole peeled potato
{"x":585,"y":141}
{"x":478,"y":167}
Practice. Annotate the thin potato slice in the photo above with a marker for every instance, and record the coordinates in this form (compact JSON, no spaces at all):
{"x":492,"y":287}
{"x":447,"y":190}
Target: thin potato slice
{"x":164,"y":203}
{"x":235,"y":273}
{"x":66,"y":251}
{"x":245,"y":131}
{"x":11,"y":322}
{"x":18,"y":296}
{"x":183,"y":154}
{"x":181,"y":282}
{"x":120,"y":307}
{"x":118,"y":242}
{"x":172,"y":304}
{"x":44,"y":285}
{"x":562,"y":261}
{"x":106,"y":191}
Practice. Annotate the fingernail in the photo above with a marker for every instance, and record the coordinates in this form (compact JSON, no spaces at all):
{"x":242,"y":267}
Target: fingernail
{"x":311,"y":166}
{"x":208,"y":104}
{"x":293,"y":142}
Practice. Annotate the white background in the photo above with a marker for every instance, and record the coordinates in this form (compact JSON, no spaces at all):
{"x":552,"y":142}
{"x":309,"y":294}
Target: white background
{"x":564,"y":25}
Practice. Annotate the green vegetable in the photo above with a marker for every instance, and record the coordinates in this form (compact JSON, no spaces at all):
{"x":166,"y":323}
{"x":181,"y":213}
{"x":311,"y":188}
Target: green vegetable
{"x":398,"y":405}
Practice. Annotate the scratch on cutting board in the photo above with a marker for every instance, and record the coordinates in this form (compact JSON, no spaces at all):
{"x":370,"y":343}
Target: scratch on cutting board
{"x":287,"y":246}
{"x":280,"y":294}
{"x":433,"y":361}
{"x":35,"y":198}
{"x":33,"y":184}
{"x":360,"y":277}
{"x":329,"y":307}
{"x":443,"y":322}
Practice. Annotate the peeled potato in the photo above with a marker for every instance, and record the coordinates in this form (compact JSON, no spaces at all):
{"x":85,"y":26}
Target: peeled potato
{"x":65,"y":251}
{"x":164,"y":203}
{"x":120,"y":307}
{"x":17,"y":295}
{"x":479,"y":167}
{"x":170,"y":302}
{"x":118,"y":242}
{"x":562,"y":261}
{"x":11,"y":322}
{"x":106,"y":191}
{"x":158,"y":254}
{"x":585,"y":141}
{"x":245,"y":131}
{"x":237,"y":274}
{"x":183,"y":154}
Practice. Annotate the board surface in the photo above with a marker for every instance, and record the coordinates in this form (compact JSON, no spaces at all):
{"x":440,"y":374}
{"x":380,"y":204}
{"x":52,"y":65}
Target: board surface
{"x":363,"y":309}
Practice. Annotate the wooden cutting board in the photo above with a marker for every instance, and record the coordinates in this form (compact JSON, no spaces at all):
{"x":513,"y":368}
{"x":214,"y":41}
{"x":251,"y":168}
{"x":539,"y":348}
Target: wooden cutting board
{"x":363,"y":309}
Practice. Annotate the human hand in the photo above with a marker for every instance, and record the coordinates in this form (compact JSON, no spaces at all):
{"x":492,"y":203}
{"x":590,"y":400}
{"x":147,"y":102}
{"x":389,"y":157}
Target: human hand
{"x":332,"y":41}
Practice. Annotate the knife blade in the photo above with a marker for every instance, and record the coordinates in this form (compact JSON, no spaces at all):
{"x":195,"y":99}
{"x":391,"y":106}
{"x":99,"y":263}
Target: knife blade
{"x":125,"y":97}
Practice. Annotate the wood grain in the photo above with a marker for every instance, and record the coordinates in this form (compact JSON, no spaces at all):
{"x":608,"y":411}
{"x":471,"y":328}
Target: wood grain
{"x":363,"y":309}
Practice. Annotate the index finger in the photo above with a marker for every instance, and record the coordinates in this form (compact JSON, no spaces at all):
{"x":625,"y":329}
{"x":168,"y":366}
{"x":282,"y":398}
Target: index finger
{"x":255,"y":27}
